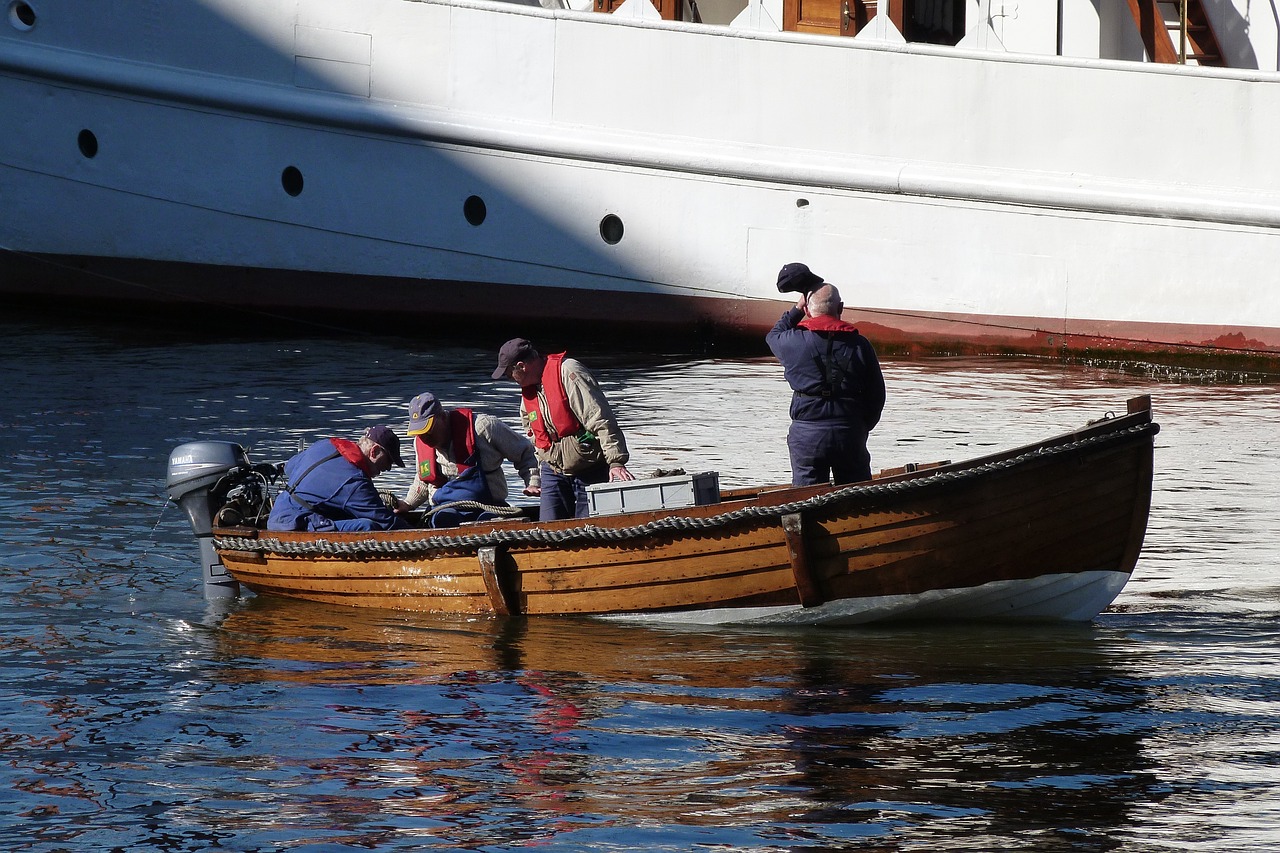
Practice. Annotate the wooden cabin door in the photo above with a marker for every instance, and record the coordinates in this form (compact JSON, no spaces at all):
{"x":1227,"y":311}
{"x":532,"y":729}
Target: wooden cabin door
{"x":936,"y":21}
{"x":830,"y":17}
{"x":671,"y":10}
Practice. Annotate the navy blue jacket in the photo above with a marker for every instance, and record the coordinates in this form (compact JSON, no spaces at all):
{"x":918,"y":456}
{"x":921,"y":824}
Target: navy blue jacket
{"x":835,"y":376}
{"x":340,"y":494}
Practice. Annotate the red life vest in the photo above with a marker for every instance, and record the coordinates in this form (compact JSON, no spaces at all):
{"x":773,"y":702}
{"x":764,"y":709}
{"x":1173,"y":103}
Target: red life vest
{"x":826,"y":323}
{"x":351,"y":452}
{"x":462,"y":430}
{"x":563,"y":420}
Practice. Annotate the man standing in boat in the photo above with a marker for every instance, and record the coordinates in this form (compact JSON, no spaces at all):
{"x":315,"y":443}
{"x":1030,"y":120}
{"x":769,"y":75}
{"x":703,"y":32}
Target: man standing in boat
{"x":838,"y":389}
{"x":574,"y":431}
{"x":460,"y":455}
{"x":329,"y":486}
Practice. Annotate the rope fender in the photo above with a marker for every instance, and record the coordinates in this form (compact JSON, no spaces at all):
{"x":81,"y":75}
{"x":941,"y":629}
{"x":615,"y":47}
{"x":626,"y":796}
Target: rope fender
{"x":672,"y":524}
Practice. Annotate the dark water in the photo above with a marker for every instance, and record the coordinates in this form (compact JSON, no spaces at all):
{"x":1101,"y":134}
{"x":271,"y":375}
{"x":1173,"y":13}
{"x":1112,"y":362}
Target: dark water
{"x":138,"y":717}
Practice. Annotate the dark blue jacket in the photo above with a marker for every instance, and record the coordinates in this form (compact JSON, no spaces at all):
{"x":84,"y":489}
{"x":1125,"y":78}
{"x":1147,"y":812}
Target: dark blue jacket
{"x":341,"y":496}
{"x":835,"y":376}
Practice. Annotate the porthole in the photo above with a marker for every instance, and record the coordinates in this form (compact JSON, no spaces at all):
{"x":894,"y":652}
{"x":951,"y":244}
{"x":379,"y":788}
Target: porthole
{"x":473,"y":208}
{"x":802,"y":202}
{"x":21,"y":16}
{"x":611,"y":229}
{"x":88,"y":144}
{"x":291,"y":180}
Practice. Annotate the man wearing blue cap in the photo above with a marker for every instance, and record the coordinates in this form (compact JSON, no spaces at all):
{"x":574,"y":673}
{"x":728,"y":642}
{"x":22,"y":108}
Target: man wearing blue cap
{"x":329,"y":486}
{"x":459,"y":459}
{"x":837,"y":388}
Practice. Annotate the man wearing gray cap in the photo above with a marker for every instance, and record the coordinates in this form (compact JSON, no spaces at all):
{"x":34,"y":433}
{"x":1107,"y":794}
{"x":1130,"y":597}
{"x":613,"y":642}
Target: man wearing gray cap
{"x":329,"y":486}
{"x":459,"y":458}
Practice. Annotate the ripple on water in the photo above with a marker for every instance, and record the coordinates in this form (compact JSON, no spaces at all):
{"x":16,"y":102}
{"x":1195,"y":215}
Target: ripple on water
{"x":139,"y":717}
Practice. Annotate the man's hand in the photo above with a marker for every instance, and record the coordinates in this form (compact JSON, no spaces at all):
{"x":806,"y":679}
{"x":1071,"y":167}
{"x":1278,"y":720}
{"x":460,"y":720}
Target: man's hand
{"x":533,"y":491}
{"x":618,"y":473}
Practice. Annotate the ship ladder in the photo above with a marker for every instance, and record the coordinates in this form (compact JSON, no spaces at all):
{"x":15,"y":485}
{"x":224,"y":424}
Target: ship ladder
{"x":1177,"y":31}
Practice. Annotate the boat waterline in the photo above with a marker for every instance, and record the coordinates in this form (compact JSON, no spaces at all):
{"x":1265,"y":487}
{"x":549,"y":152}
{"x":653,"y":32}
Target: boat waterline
{"x":1070,"y":597}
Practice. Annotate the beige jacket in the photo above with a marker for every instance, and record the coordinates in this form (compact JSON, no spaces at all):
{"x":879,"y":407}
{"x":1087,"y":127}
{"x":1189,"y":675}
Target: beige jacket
{"x":589,"y":406}
{"x":495,"y":443}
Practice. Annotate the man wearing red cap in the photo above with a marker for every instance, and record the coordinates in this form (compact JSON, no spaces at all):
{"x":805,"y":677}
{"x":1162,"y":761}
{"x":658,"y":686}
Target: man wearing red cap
{"x":838,"y":389}
{"x":572,"y":425}
{"x":329,"y":486}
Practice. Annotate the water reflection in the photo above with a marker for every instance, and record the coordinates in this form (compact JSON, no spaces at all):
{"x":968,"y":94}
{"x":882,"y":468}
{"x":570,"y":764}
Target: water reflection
{"x":981,"y":734}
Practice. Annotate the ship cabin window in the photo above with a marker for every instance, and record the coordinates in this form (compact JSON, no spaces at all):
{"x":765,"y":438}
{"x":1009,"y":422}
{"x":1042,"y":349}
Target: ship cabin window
{"x":933,"y":21}
{"x":21,"y":16}
{"x":474,"y":210}
{"x":88,"y":144}
{"x":611,"y":229}
{"x":291,"y":180}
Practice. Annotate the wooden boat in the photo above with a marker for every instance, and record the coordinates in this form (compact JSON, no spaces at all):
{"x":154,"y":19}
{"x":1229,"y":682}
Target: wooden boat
{"x":1051,"y":530}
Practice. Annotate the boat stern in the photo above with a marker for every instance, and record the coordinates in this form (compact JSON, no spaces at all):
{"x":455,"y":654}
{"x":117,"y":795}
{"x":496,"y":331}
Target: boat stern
{"x":195,"y":471}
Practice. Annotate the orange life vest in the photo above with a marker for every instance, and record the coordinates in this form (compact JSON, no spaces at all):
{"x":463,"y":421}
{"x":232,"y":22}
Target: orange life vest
{"x":563,"y":421}
{"x":462,"y":430}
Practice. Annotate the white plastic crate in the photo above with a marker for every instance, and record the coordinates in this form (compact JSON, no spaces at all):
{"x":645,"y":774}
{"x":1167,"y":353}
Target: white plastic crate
{"x":654,"y":493}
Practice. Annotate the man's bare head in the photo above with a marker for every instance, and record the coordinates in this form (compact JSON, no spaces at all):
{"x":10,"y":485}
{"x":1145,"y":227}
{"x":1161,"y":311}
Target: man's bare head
{"x":825,"y":300}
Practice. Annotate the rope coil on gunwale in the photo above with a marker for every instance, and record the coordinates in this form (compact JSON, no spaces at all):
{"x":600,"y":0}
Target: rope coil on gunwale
{"x":671,"y":524}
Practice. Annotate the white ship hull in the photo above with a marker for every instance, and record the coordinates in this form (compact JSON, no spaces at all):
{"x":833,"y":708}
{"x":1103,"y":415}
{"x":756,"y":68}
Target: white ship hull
{"x":330,"y":155}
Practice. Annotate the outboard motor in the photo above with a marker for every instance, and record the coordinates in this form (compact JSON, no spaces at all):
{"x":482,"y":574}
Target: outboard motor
{"x":194,"y":471}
